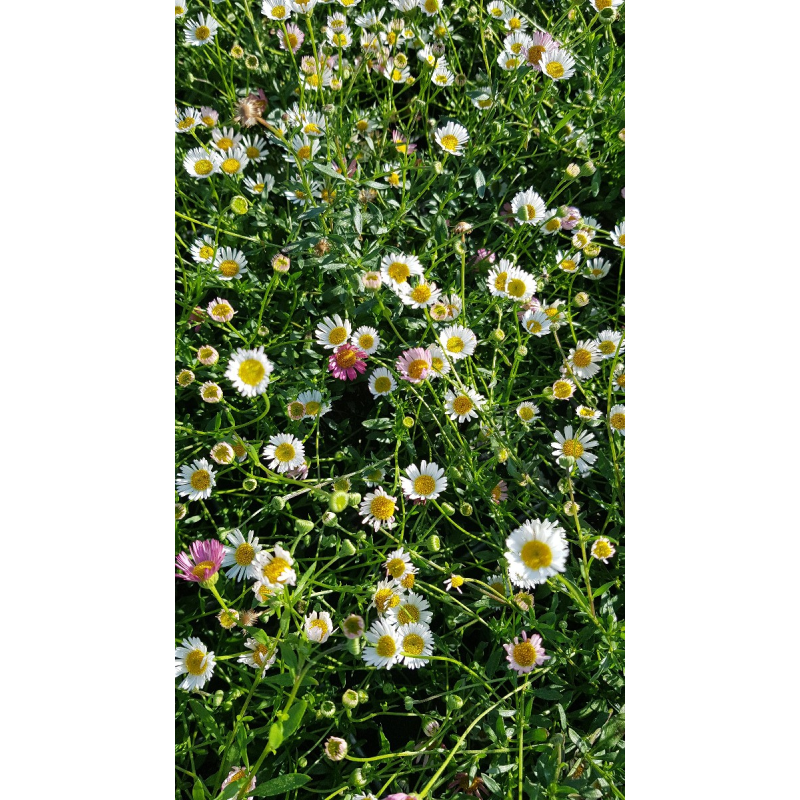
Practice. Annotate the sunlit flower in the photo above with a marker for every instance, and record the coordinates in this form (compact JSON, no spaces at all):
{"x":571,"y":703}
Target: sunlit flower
{"x":193,"y":659}
{"x":261,"y":656}
{"x":384,"y":645}
{"x":200,"y":163}
{"x":277,"y":9}
{"x":464,"y":404}
{"x":414,"y":365}
{"x":535,"y":551}
{"x":200,"y":31}
{"x":451,"y":138}
{"x":210,"y":392}
{"x":220,"y":311}
{"x":203,"y":561}
{"x":584,"y":359}
{"x":528,"y":207}
{"x":454,"y":582}
{"x":557,"y":64}
{"x":284,"y":452}
{"x":563,"y":389}
{"x":424,"y":482}
{"x":366,"y":338}
{"x":616,"y":419}
{"x":240,"y":556}
{"x":525,"y":655}
{"x":196,"y":481}
{"x":249,"y":371}
{"x":536,"y":323}
{"x":347,"y":362}
{"x":230,"y":263}
{"x":416,"y":640}
{"x":397,"y":268}
{"x":378,"y":508}
{"x":457,"y":341}
{"x":527,"y":412}
{"x":187,"y":120}
{"x":335,"y":748}
{"x":500,"y":492}
{"x":575,"y":446}
{"x":381,"y":382}
{"x":313,"y":404}
{"x":275,"y":569}
{"x":292,"y":39}
{"x":333,"y":332}
{"x":318,"y":626}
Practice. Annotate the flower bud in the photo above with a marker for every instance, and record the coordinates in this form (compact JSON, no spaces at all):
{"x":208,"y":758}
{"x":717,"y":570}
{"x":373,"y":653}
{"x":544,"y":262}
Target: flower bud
{"x":237,"y":51}
{"x":263,"y":331}
{"x":454,"y":702}
{"x":408,"y":422}
{"x":211,"y":581}
{"x":522,"y":351}
{"x":357,"y":779}
{"x":180,"y":511}
{"x":338,"y":502}
{"x":277,"y":504}
{"x":573,"y":170}
{"x":303,"y":526}
{"x":327,"y":708}
{"x":347,"y":548}
{"x":340,"y":455}
{"x":281,"y":263}
{"x":498,"y":334}
{"x":608,"y":15}
{"x":459,"y":248}
{"x":571,"y":14}
{"x":430,"y":728}
{"x":567,"y":462}
{"x":185,"y":377}
{"x":592,"y":250}
{"x":438,"y":167}
{"x":571,"y":508}
{"x":329,"y":519}
{"x":354,"y":647}
{"x":465,"y":509}
{"x":249,"y":484}
{"x":239,"y":205}
{"x":350,"y":698}
{"x":408,"y":702}
{"x":302,"y":762}
{"x":353,"y":499}
{"x":448,"y":509}
{"x":435,"y":543}
{"x":581,"y":299}
{"x":219,"y":696}
{"x":621,"y":135}
{"x":588,"y":169}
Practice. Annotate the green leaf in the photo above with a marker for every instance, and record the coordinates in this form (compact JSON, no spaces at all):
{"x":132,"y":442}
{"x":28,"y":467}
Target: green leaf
{"x":230,"y":790}
{"x":295,"y":717}
{"x":198,"y":792}
{"x":547,"y":694}
{"x":280,"y":785}
{"x":480,"y":183}
{"x":603,"y":588}
{"x":325,"y":169}
{"x":206,"y":719}
{"x":275,"y":735}
{"x":357,"y":223}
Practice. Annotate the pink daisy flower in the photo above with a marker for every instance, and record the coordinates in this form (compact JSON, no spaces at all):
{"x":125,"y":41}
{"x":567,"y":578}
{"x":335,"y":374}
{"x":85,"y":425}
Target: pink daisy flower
{"x":294,"y":36}
{"x":484,"y":255}
{"x":570,"y":219}
{"x":532,"y":305}
{"x":525,"y":655}
{"x":415,"y":364}
{"x":401,"y":143}
{"x":298,"y":473}
{"x":500,"y":492}
{"x":204,"y":560}
{"x":220,"y":310}
{"x":347,"y":362}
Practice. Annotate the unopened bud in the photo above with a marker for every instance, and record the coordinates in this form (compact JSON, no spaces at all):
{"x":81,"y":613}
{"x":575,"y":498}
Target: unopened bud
{"x":592,"y":250}
{"x":465,"y":509}
{"x":185,"y":377}
{"x":219,"y":696}
{"x":459,"y":248}
{"x":581,"y":299}
{"x":408,"y":422}
{"x":350,"y":698}
{"x":338,"y":502}
{"x":588,"y":169}
{"x":329,"y":519}
{"x":448,"y":509}
{"x":357,"y":779}
{"x":522,"y":351}
{"x":408,"y":702}
{"x":277,"y":504}
{"x":571,"y":508}
{"x":573,"y":170}
{"x":239,"y":205}
{"x":354,"y":647}
{"x":303,"y":526}
{"x":567,"y":462}
{"x":454,"y":702}
{"x":608,"y":15}
{"x":438,"y":167}
{"x":249,"y":484}
{"x":498,"y":334}
{"x":263,"y":331}
{"x":347,"y":548}
{"x":435,"y":543}
{"x":353,"y":499}
{"x":327,"y":708}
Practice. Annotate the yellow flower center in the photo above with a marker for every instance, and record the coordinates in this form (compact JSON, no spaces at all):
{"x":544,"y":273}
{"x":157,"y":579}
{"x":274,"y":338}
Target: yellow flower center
{"x":536,"y":554}
{"x":179,"y":10}
{"x":562,"y":390}
{"x":554,"y":69}
{"x":264,"y":593}
{"x":432,"y":6}
{"x":186,"y":122}
{"x":551,"y":312}
{"x":274,"y":569}
{"x":383,"y":384}
{"x":602,"y":549}
{"x":413,"y":644}
{"x":525,"y":654}
{"x":424,"y":485}
{"x":319,"y":625}
{"x":196,"y":662}
{"x":285,"y":452}
{"x":496,"y":494}
{"x":621,"y":240}
{"x":222,"y":453}
{"x":617,"y":421}
{"x":535,"y":53}
{"x":621,"y":380}
{"x":260,"y":654}
{"x":516,"y":288}
{"x":340,"y":39}
{"x":346,"y":359}
{"x":396,"y":75}
{"x":382,"y":507}
{"x":313,"y":408}
{"x":487,"y":103}
{"x":337,"y":335}
{"x":200,"y":480}
{"x":251,"y":372}
{"x":203,"y":166}
{"x":313,"y":80}
{"x":253,"y":152}
{"x":239,"y":450}
{"x":586,"y":412}
{"x":204,"y":569}
{"x":210,"y":392}
{"x":366,"y":341}
{"x":229,"y":268}
{"x":462,"y":405}
{"x":568,"y":265}
{"x":407,"y":581}
{"x":534,"y":326}
{"x":601,"y":4}
{"x":455,"y":344}
{"x":456,"y":581}
{"x":526,"y":413}
{"x":582,"y":358}
{"x":278,"y":12}
{"x":516,"y":48}
{"x":258,"y":188}
{"x":244,"y":554}
{"x":206,"y":251}
{"x":292,"y":38}
{"x":385,"y":647}
{"x":396,"y":567}
{"x":231,"y":166}
{"x":500,"y":281}
{"x":221,"y":310}
{"x":572,"y":447}
{"x":421,"y":294}
{"x":202,"y":33}
{"x":437,"y":364}
{"x":552,"y":224}
{"x":417,"y":367}
{"x":515,"y":23}
{"x":407,"y":614}
{"x":224,"y":143}
{"x":304,"y":152}
{"x":383,"y":599}
{"x":362,"y":125}
{"x":209,"y":122}
{"x":449,"y":142}
{"x":398,"y":271}
{"x":530,"y":212}
{"x":607,"y":347}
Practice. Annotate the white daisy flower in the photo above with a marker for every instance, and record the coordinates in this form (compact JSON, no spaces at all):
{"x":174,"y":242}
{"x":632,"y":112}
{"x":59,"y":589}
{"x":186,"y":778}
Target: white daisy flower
{"x":618,"y":236}
{"x":318,"y":626}
{"x":457,"y":341}
{"x":520,"y":285}
{"x":397,"y":74}
{"x":200,"y":163}
{"x":383,"y":650}
{"x":284,"y":452}
{"x":234,"y":162}
{"x":394,"y":176}
{"x":415,"y":640}
{"x":330,"y":333}
{"x":482,"y":98}
{"x":366,"y":339}
{"x":298,"y":195}
{"x":303,"y":149}
{"x":451,"y":138}
{"x":230,"y":263}
{"x":249,"y":371}
{"x":277,"y":9}
{"x":398,"y":563}
{"x":200,"y":31}
{"x":397,"y":268}
{"x":527,"y":411}
{"x":553,"y":311}
{"x":453,"y":305}
{"x":203,"y":249}
{"x":609,"y":343}
{"x":225,"y":139}
{"x":584,"y":359}
{"x":193,"y":659}
{"x":590,"y":416}
{"x":440,"y":364}
{"x":558,"y":64}
{"x":240,"y":556}
{"x":616,"y":419}
{"x":422,"y":295}
{"x":509,"y":61}
{"x":196,"y":480}
{"x":569,"y":262}
{"x":275,"y":569}
{"x":313,"y":404}
{"x":528,"y":207}
{"x":222,"y":453}
{"x":261,"y":656}
{"x":496,"y":9}
{"x":517,"y":43}
{"x":378,"y":508}
{"x":381,"y":382}
{"x":388,"y":594}
{"x":441,"y":76}
{"x":602,"y":549}
{"x":180,"y":9}
{"x":462,"y":405}
{"x":426,"y":55}
{"x":430,"y":8}
{"x":618,"y":384}
{"x":341,"y":38}
{"x":259,"y":184}
{"x":337,"y":21}
{"x":187,"y":119}
{"x":536,"y":323}
{"x":563,"y":389}
{"x":498,"y":277}
{"x":404,"y":5}
{"x":513,"y":21}
{"x":424,"y":482}
{"x":412,"y":607}
{"x":599,"y":5}
{"x":303,"y":6}
{"x":313,"y":124}
{"x":369,"y":19}
{"x":255,"y":147}
{"x":374,"y":476}
{"x":577,"y":446}
{"x":552,"y":222}
{"x":210,"y":392}
{"x":536,"y":551}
